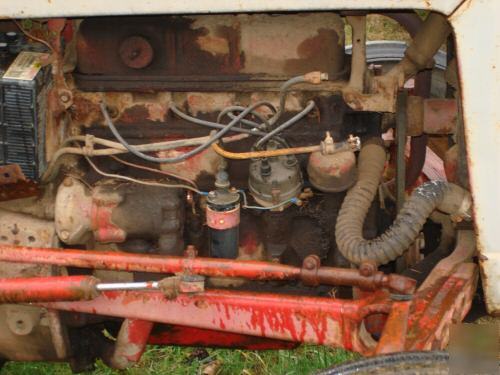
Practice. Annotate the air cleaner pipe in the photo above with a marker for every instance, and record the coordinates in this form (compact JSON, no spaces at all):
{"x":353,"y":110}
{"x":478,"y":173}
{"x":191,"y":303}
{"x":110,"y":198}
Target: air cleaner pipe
{"x":446,"y":197}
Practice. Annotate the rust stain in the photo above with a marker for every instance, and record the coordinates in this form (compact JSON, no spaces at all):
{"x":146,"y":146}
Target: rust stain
{"x":213,"y":44}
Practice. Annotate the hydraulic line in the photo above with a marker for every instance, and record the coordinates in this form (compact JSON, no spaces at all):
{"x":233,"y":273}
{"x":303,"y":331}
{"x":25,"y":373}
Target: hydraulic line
{"x":446,"y":197}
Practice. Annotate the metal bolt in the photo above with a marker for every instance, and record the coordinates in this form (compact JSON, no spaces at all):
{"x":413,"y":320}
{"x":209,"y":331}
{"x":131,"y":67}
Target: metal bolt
{"x":367,"y":269}
{"x":311,"y":262}
{"x":65,"y":97}
{"x":64,"y":235}
{"x":68,"y":181}
{"x":190,"y":252}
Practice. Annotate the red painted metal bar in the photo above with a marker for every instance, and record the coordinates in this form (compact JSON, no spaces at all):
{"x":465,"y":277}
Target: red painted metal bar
{"x":394,"y":334}
{"x":437,"y":307}
{"x":211,"y":267}
{"x":324,"y":321}
{"x":50,"y":288}
{"x":424,"y":322}
{"x":190,"y":336}
{"x":118,"y":261}
{"x":131,"y":342}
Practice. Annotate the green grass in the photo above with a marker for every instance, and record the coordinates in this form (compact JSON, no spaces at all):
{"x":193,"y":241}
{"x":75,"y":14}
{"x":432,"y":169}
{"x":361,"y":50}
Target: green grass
{"x":179,"y":361}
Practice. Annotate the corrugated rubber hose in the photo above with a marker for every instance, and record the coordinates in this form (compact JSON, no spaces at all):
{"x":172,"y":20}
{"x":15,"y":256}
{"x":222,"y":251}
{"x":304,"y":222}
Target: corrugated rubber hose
{"x":444,"y":196}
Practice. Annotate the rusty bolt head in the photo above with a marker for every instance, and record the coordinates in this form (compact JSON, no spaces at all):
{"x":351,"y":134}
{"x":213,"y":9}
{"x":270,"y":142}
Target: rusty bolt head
{"x":136,"y":52}
{"x":68,"y":181}
{"x":367,"y":269}
{"x":64,"y":235}
{"x":65,"y":97}
{"x":311,"y":262}
{"x":190,"y":252}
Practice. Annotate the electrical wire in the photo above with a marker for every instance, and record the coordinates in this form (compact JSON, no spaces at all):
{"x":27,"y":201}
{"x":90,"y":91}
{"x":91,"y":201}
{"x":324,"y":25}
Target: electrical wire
{"x":36,"y":39}
{"x":283,"y":94}
{"x":286,"y":124}
{"x":211,"y":124}
{"x":141,"y":182}
{"x":53,"y":166}
{"x":181,"y":157}
{"x":266,"y":208}
{"x":159,"y":171}
{"x":264,"y":121}
{"x":313,"y":78}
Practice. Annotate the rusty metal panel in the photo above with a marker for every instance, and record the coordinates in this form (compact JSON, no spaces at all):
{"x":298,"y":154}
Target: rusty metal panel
{"x":58,"y":8}
{"x":145,"y":52}
{"x":478,"y":49}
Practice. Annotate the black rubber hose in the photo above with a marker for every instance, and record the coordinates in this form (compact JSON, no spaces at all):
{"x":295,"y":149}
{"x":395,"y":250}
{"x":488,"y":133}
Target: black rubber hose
{"x":409,"y":222}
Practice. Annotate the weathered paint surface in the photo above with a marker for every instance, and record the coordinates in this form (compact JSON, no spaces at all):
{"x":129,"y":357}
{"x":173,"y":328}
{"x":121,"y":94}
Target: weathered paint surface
{"x":209,"y":47}
{"x":436,"y":308}
{"x":212,"y":267}
{"x":324,"y":321}
{"x":131,"y":342}
{"x":478,"y":50}
{"x":49,"y":288}
{"x":57,"y":8}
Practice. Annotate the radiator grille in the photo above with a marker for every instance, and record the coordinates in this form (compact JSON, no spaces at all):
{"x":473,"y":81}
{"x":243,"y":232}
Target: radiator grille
{"x":22,"y":125}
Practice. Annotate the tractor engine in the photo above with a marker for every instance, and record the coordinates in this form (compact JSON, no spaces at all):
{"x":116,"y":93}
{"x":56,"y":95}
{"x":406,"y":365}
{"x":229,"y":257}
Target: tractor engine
{"x":234,"y":153}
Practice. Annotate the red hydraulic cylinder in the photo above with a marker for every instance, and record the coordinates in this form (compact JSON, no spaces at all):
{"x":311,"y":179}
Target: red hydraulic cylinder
{"x":47,"y":289}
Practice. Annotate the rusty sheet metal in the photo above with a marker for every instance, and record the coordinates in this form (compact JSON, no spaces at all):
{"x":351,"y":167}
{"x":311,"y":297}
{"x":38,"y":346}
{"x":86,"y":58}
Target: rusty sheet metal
{"x":478,"y":50}
{"x":21,"y":189}
{"x":14,"y":185}
{"x":57,"y":8}
{"x":10,"y":174}
{"x":317,"y":320}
